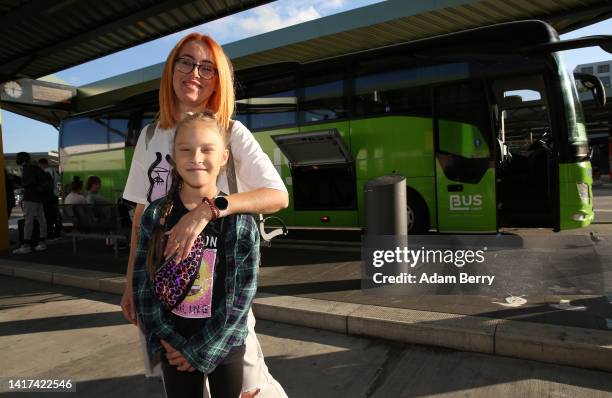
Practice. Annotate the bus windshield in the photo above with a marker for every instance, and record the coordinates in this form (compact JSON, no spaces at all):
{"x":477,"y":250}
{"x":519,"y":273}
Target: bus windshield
{"x":573,"y":109}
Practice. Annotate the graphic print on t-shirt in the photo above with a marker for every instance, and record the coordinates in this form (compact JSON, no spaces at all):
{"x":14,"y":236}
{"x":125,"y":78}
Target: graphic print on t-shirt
{"x":197,"y":303}
{"x":160,"y":177}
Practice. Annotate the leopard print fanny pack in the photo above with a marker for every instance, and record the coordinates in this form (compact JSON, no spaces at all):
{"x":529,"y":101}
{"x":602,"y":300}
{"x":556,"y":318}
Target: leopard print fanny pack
{"x":172,"y":281}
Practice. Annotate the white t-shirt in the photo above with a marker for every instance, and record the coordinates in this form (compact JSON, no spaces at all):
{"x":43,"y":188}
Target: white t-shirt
{"x":75,"y":199}
{"x":150,"y":172}
{"x":97,"y":199}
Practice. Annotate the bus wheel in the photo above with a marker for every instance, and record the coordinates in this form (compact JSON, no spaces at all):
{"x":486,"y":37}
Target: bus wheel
{"x":418,"y":217}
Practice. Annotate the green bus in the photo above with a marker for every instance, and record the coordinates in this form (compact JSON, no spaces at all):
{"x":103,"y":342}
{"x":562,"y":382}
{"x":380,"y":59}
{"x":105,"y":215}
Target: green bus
{"x":485,"y":124}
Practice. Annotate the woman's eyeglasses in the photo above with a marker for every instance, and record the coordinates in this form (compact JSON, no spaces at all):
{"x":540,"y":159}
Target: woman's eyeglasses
{"x":206,"y":70}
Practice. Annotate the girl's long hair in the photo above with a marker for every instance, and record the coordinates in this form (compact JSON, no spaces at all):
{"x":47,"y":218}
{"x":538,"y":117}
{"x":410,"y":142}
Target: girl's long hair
{"x":157,"y":243}
{"x":221,"y":101}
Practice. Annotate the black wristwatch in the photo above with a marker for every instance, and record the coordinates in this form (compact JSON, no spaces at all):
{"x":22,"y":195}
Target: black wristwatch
{"x":221,"y":203}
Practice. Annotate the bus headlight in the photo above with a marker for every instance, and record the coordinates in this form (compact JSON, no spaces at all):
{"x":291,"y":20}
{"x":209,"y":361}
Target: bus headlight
{"x":579,"y":217}
{"x":583,"y":191}
{"x":582,"y":217}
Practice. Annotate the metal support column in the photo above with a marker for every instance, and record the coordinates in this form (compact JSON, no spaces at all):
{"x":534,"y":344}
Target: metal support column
{"x":5,"y":243}
{"x":610,"y":147}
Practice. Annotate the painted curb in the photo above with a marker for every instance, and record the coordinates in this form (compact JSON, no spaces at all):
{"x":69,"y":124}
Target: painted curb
{"x":321,"y":314}
{"x":460,"y":332}
{"x":585,"y":348}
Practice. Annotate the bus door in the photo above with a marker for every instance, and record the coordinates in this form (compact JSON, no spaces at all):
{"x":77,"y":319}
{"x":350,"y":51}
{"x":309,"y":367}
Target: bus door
{"x":465,"y":171}
{"x":323,"y":175}
{"x":527,"y":186}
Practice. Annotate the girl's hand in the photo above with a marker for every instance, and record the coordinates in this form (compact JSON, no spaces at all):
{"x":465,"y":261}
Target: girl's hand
{"x":127,"y":305}
{"x":176,"y":358}
{"x":185,"y":232}
{"x":250,"y":394}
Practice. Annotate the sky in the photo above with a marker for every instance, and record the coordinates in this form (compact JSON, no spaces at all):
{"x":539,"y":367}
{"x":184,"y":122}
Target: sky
{"x":23,"y":134}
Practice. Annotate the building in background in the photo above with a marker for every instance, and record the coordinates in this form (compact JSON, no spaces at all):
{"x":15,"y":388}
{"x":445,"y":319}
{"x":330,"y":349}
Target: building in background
{"x":599,"y":69}
{"x":11,"y":165}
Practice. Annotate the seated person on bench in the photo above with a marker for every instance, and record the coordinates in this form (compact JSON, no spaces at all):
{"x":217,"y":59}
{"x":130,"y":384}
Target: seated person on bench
{"x":75,"y":197}
{"x":93,"y":192}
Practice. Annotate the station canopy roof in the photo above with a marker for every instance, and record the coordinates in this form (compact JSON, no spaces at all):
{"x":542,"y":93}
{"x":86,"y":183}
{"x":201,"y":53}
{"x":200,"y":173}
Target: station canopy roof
{"x":398,"y":21}
{"x":380,"y":24}
{"x":40,"y":37}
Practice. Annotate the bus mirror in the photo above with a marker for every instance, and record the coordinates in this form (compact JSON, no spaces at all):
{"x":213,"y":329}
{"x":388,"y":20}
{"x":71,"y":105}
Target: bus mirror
{"x":603,"y":41}
{"x":606,"y":46}
{"x":594,"y":85}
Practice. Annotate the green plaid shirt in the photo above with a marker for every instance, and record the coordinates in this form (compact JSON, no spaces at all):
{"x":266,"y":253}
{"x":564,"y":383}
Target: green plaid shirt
{"x":227,"y":327}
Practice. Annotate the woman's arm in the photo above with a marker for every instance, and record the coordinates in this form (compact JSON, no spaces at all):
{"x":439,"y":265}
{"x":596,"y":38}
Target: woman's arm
{"x":127,"y":301}
{"x":135,"y":190}
{"x":263,"y":191}
{"x":262,"y":200}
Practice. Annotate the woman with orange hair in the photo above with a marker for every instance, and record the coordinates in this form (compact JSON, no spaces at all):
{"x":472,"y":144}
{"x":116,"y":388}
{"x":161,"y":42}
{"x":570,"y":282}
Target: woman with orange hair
{"x":198,"y":77}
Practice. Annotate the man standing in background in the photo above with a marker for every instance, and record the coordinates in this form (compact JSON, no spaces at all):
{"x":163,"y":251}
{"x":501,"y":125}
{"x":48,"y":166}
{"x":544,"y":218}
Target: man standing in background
{"x":51,"y":202}
{"x":35,"y":184}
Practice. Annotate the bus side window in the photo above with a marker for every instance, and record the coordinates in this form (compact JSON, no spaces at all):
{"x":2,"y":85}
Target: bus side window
{"x":268,"y":104}
{"x":463,"y":131}
{"x":463,"y":123}
{"x":147,"y":117}
{"x":395,"y":92}
{"x":323,"y":102}
{"x":118,"y":130}
{"x":85,"y":134}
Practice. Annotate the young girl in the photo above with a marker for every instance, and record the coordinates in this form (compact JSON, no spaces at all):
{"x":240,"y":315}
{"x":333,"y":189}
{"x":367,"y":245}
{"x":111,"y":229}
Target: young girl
{"x":203,"y":335}
{"x":198,"y":76}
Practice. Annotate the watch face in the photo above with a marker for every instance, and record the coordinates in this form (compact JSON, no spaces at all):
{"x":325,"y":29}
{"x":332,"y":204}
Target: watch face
{"x":13,"y":89}
{"x":221,"y":202}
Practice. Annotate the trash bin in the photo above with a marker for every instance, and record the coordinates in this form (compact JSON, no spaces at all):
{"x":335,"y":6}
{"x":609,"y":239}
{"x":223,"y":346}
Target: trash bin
{"x":385,"y":206}
{"x":386,"y":227}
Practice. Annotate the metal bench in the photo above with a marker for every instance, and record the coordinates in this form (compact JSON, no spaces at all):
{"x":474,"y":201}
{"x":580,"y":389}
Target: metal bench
{"x":103,"y":221}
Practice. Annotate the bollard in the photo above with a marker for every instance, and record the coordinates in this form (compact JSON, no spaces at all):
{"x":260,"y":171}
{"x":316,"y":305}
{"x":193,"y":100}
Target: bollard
{"x":385,"y":214}
{"x":385,"y":206}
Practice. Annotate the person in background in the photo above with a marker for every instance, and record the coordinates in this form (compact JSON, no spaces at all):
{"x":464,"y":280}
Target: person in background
{"x":76,"y":197}
{"x":10,"y":192}
{"x":34,"y":182}
{"x":51,"y":202}
{"x":93,"y":197}
{"x":93,"y":192}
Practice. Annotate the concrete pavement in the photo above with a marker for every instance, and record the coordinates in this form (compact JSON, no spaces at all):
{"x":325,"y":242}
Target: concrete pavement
{"x":565,"y":345}
{"x":55,"y":331}
{"x":322,"y":290}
